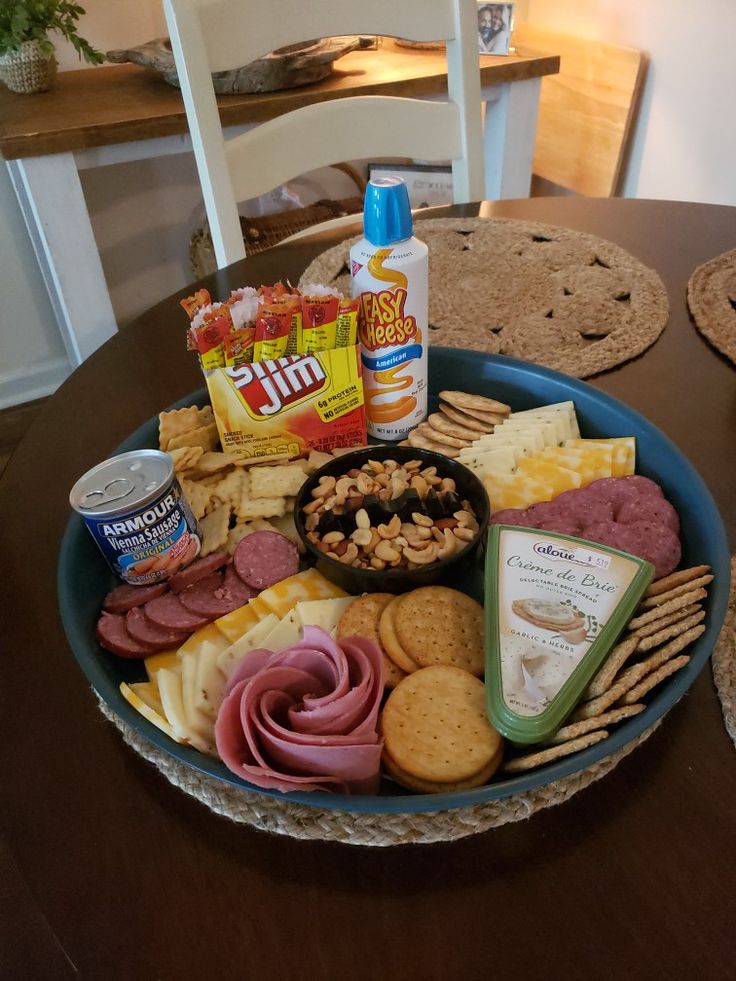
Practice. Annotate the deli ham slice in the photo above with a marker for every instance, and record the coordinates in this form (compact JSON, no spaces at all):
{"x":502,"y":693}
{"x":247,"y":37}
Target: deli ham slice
{"x":305,"y":718}
{"x":265,"y":558}
{"x":125,"y":597}
{"x":199,"y":569}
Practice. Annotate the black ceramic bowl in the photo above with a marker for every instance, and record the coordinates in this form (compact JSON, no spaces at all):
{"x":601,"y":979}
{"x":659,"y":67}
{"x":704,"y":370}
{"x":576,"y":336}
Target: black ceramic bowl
{"x":450,"y":570}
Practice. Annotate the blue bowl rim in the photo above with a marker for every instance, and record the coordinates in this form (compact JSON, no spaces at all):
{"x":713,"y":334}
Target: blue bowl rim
{"x":89,"y":657}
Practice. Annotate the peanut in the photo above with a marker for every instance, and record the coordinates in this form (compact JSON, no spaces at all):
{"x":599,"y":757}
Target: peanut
{"x":362,"y":536}
{"x":361,"y":518}
{"x":333,"y":537}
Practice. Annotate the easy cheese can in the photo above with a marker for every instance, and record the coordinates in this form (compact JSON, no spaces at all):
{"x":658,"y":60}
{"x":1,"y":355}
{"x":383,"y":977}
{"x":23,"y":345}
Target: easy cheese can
{"x":133,"y":507}
{"x":390,"y":275}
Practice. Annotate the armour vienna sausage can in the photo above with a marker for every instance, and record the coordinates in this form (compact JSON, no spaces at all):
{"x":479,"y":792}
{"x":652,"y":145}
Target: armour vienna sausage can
{"x":134,"y":509}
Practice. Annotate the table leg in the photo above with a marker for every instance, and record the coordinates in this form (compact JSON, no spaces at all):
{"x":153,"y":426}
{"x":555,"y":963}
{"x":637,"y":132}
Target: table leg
{"x":55,"y":212}
{"x":509,"y":132}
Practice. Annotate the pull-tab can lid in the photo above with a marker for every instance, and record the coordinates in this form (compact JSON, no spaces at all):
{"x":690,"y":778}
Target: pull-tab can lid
{"x":386,"y":211}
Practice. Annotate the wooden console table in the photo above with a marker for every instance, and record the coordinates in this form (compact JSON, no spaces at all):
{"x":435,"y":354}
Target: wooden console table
{"x":121,"y":113}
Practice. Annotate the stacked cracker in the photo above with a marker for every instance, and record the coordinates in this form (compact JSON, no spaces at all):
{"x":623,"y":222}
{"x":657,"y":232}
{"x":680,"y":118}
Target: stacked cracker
{"x":669,"y":619}
{"x":231,"y":497}
{"x":437,"y":738}
{"x":461,"y":420}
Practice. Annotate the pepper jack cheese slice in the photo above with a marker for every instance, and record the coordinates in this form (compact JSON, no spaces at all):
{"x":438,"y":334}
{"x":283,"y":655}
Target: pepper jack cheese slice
{"x":148,"y":704}
{"x":243,"y":645}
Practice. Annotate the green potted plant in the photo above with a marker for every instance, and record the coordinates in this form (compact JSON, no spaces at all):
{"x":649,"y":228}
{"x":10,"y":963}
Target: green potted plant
{"x":27,"y":62}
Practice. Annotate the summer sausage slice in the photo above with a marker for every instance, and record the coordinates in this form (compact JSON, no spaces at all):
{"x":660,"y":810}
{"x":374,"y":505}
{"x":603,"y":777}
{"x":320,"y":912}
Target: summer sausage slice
{"x":112,"y":633}
{"x":239,"y":592}
{"x":512,"y":516}
{"x":208,"y":597}
{"x":199,"y":569}
{"x":618,"y":490}
{"x":657,"y":510}
{"x":145,"y":631}
{"x":125,"y":597}
{"x":265,"y":558}
{"x":170,"y":613}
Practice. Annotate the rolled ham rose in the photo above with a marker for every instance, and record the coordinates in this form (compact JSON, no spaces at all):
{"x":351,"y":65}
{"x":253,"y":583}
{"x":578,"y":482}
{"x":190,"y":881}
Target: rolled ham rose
{"x":305,"y":718}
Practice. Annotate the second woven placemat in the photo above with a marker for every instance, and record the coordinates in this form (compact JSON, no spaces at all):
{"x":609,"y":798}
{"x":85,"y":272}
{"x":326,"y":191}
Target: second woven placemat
{"x":711,"y":296}
{"x":557,"y":297}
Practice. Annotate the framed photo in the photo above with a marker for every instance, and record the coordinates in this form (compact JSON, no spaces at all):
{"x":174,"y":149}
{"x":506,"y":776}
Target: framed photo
{"x":429,"y":185}
{"x":494,"y":27}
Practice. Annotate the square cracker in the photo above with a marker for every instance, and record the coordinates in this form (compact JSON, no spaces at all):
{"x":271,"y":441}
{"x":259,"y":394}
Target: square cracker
{"x":205,"y":436}
{"x":185,"y":457}
{"x":214,"y":528}
{"x":276,"y":481}
{"x":228,"y":489}
{"x":261,"y":507}
{"x":212,"y":461}
{"x":173,"y":424}
{"x":198,"y":496}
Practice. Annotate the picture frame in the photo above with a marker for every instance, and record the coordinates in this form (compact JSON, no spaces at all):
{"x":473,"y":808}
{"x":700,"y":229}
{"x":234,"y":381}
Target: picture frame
{"x":429,"y":185}
{"x":495,"y":21}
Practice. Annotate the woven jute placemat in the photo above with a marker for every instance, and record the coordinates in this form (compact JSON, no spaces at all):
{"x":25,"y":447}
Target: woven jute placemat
{"x":278,"y":815}
{"x":711,"y":296}
{"x":557,"y":297}
{"x":724,"y":661}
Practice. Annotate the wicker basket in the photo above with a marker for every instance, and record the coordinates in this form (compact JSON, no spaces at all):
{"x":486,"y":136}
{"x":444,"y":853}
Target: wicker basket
{"x":263,"y":233}
{"x":29,"y":69}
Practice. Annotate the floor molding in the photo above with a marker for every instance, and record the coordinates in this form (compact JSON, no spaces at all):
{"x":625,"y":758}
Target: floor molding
{"x":34,"y":382}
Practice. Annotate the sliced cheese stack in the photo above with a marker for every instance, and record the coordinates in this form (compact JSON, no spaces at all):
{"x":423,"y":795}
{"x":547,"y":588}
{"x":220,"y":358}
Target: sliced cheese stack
{"x":536,"y":454}
{"x":185,"y":687}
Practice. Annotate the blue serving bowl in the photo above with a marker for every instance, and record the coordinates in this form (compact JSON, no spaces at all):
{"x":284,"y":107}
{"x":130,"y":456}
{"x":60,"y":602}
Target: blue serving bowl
{"x":84,"y":577}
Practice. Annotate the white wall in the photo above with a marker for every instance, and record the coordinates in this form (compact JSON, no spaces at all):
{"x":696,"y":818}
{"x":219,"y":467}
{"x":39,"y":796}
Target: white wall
{"x":684,"y":147}
{"x":684,"y":144}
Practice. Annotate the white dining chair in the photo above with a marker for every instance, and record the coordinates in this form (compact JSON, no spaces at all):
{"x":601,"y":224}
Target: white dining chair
{"x":216,"y":35}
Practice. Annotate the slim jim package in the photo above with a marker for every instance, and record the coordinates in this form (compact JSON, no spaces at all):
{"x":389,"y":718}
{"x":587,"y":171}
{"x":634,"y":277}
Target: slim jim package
{"x":283,"y":370}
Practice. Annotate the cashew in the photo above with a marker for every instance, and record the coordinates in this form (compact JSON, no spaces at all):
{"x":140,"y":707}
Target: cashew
{"x":324,"y":487}
{"x":413,"y":465}
{"x":365,"y":484}
{"x":378,"y":564}
{"x":424,"y":557}
{"x":375,"y":539}
{"x":448,"y":484}
{"x":386,"y":552}
{"x":362,"y":536}
{"x":333,"y":537}
{"x":383,"y":479}
{"x":464,"y":534}
{"x":314,"y":505}
{"x":344,"y":486}
{"x":390,"y":465}
{"x":311,"y":521}
{"x":376,"y":466}
{"x":422,"y":533}
{"x":392,"y":529}
{"x":350,"y":554}
{"x":422,"y":519}
{"x":361,"y":518}
{"x":398,"y":486}
{"x":448,"y":549}
{"x":419,"y":484}
{"x":465,"y":519}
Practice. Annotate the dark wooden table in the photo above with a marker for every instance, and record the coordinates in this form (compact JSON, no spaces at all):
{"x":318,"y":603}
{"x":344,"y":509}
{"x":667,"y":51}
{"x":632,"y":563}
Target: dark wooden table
{"x":110,"y":873}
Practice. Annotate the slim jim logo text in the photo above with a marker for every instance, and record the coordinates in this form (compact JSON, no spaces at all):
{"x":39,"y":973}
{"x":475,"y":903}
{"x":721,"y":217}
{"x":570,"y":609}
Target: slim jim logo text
{"x":383,"y":322}
{"x":267,"y":387}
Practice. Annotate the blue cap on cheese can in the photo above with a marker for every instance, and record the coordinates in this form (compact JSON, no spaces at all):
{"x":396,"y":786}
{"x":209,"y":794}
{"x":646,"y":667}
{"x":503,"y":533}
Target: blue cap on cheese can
{"x":386,"y":211}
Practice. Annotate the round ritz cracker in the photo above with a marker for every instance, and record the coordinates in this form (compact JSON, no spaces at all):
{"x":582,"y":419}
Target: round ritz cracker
{"x":475,"y":403}
{"x":411,"y":782}
{"x":390,"y":642}
{"x":421,"y":441}
{"x":439,"y":437}
{"x":439,"y":625}
{"x":361,"y":619}
{"x":478,"y":426}
{"x":435,"y":729}
{"x":440,"y":423}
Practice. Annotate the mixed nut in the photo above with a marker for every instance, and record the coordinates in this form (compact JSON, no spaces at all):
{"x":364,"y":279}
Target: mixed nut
{"x":388,"y":515}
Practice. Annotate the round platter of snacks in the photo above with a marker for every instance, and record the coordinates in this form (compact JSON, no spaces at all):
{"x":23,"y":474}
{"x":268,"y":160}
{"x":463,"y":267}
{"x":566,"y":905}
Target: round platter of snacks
{"x":350,"y":588}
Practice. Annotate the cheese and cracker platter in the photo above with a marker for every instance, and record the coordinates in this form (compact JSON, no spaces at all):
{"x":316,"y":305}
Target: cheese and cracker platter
{"x":518,"y":583}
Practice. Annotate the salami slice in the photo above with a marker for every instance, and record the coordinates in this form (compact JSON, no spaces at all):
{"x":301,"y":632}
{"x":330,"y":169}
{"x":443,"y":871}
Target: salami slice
{"x":240,"y":592}
{"x":265,"y":558}
{"x":125,"y":597}
{"x":170,"y":613}
{"x":618,"y":490}
{"x":145,"y":631}
{"x":657,"y":510}
{"x":208,"y":597}
{"x":112,"y":633}
{"x":199,"y":569}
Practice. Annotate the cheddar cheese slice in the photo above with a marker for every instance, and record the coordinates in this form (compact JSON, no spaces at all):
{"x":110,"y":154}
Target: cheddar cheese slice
{"x":623,"y":462}
{"x":306,"y":585}
{"x":516,"y":490}
{"x":165,"y":659}
{"x":559,"y":477}
{"x":148,"y":704}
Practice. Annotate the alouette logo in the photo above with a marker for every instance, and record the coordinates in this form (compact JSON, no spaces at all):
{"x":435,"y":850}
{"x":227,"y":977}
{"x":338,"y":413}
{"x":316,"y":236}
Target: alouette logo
{"x":554,"y":551}
{"x":267,"y":387}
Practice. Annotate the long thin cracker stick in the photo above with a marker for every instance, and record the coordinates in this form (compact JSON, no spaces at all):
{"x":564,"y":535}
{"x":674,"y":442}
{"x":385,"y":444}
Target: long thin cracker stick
{"x":661,"y":622}
{"x":677,"y":591}
{"x":554,"y":753}
{"x":655,"y":678}
{"x":611,"y":667}
{"x":676,"y":579}
{"x":661,"y":611}
{"x":647,"y":643}
{"x":576,"y":729}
